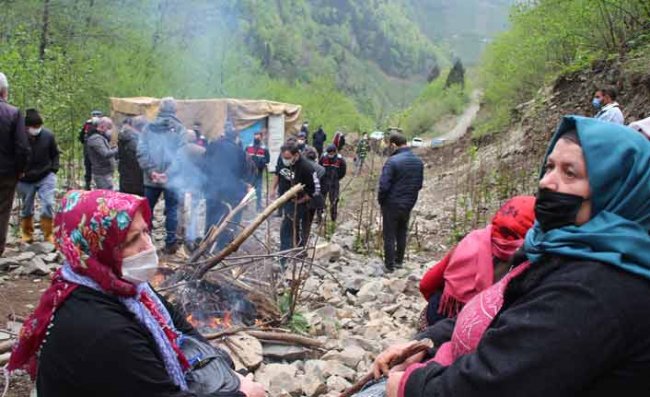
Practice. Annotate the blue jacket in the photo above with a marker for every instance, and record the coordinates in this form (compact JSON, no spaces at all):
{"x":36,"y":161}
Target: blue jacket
{"x":401,"y":180}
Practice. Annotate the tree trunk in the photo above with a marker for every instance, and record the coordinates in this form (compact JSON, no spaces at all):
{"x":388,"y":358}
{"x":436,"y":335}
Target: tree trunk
{"x":44,"y":30}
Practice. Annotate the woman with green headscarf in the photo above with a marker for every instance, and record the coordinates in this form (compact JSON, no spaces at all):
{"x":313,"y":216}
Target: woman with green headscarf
{"x":572,"y":318}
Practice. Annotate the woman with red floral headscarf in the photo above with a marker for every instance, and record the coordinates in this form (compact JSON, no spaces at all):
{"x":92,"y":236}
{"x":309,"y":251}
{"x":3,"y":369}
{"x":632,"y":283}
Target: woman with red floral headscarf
{"x":478,"y":261}
{"x":100,"y":329}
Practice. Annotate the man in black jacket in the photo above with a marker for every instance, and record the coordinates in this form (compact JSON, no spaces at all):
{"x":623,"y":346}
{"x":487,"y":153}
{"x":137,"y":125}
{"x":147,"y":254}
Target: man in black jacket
{"x":84,"y":133}
{"x":225,"y":170}
{"x":399,"y":185}
{"x":259,"y":155}
{"x":131,"y":178}
{"x":335,"y":170}
{"x":39,"y":178}
{"x":319,"y":139}
{"x":14,"y":155}
{"x":294,"y":229}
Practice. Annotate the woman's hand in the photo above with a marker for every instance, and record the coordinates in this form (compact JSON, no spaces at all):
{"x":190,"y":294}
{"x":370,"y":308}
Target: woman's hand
{"x":250,"y":388}
{"x":392,"y":387}
{"x":381,"y":365}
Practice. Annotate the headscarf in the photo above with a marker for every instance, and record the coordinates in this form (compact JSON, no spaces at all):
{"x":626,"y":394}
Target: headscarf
{"x":90,"y":228}
{"x":469,"y":268}
{"x":618,"y":166}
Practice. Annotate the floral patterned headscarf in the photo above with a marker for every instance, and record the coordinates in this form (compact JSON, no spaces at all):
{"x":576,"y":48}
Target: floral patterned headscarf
{"x":90,"y":228}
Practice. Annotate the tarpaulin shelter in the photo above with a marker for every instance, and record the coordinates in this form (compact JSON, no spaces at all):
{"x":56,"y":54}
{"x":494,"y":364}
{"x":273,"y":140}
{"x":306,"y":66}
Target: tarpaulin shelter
{"x":212,"y":113}
{"x":276,"y":119}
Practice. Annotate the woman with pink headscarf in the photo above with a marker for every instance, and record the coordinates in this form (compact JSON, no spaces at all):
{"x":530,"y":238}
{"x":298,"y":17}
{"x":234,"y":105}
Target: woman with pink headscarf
{"x":100,"y":329}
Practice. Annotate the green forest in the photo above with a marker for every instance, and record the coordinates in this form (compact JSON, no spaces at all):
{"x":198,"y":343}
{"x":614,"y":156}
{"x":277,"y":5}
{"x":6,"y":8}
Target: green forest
{"x":350,"y":64}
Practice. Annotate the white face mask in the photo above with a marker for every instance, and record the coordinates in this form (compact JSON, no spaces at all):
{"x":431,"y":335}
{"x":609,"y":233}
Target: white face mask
{"x":287,"y":162}
{"x":140,"y":268}
{"x":33,"y":131}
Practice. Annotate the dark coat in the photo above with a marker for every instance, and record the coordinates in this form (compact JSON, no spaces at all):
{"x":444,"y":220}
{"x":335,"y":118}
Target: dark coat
{"x":97,"y":348}
{"x":567,"y":328}
{"x":401,"y":180}
{"x":335,"y":169}
{"x":101,"y":154}
{"x":161,"y":149}
{"x":45,"y":157}
{"x":14,"y":149}
{"x":226,"y":170}
{"x":131,"y":178}
{"x":259,"y":154}
{"x":319,"y":139}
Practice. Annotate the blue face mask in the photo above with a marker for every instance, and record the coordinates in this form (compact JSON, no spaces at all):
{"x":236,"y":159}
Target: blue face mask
{"x":596,"y":103}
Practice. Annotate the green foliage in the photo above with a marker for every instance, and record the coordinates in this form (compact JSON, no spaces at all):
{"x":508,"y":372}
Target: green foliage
{"x":297,"y":322}
{"x":549,"y":37}
{"x":434,"y":103}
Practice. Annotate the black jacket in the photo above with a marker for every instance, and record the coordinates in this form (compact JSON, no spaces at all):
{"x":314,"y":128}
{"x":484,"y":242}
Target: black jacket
{"x":14,"y":149}
{"x":301,"y":172}
{"x":335,"y":169}
{"x":401,"y":180}
{"x":45,"y":157}
{"x":319,"y":138}
{"x":131,"y":179}
{"x":97,"y":348}
{"x":226,"y":170}
{"x":567,"y":328}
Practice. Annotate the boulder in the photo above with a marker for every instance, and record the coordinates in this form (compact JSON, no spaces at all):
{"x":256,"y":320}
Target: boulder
{"x":41,"y":248}
{"x":337,"y":384}
{"x":24,"y":256}
{"x":275,"y":376}
{"x":350,"y":356}
{"x":313,"y":387}
{"x":337,"y":368}
{"x":248,"y":350}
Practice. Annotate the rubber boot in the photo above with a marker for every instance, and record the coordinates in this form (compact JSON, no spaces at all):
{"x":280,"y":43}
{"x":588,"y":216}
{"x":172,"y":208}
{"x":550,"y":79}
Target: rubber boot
{"x":27,"y":230}
{"x":47,"y":227}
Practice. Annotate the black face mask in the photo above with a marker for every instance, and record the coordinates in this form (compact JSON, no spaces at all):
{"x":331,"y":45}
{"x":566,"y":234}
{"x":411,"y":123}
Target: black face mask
{"x":554,"y":209}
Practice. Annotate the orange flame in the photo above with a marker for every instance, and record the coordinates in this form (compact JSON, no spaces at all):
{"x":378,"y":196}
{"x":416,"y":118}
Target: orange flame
{"x":212,"y":322}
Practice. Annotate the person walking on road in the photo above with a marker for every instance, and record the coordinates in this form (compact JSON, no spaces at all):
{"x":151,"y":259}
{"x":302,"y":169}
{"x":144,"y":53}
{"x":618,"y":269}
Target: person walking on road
{"x":399,"y":186}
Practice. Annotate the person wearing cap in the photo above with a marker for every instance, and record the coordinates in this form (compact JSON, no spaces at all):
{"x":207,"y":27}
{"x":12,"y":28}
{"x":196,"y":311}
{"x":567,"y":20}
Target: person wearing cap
{"x":161,"y":146}
{"x":335,"y":170}
{"x":84,"y":133}
{"x":39,"y":178}
{"x":259,"y":155}
{"x":14,"y":156}
{"x":101,"y":154}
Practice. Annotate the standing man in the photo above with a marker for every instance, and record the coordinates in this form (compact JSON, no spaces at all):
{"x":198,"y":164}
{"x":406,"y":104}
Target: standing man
{"x":339,"y":140}
{"x":399,"y":185}
{"x":362,"y":152}
{"x":318,"y":140}
{"x":131,"y":179}
{"x":39,"y":178}
{"x":225,"y":171}
{"x":14,"y":156}
{"x":608,"y":109}
{"x":296,"y":170}
{"x":101,"y":154}
{"x":87,"y":128}
{"x":302,"y":141}
{"x":160,"y":149}
{"x":259,"y":154}
{"x":335,"y":170}
{"x":304,"y":130}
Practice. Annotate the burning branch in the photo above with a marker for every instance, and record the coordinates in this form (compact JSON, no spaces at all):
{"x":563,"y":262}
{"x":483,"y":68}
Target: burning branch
{"x":247,"y":232}
{"x":272,"y":336}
